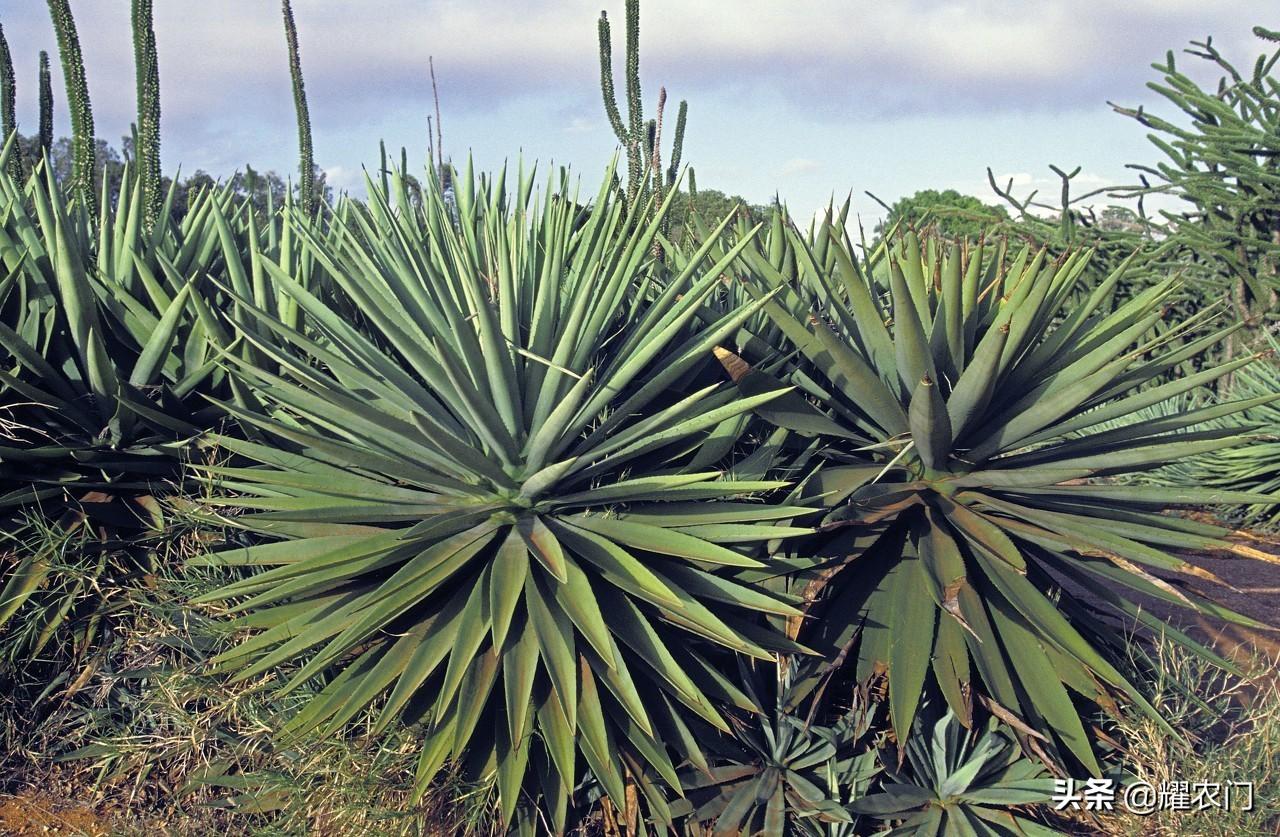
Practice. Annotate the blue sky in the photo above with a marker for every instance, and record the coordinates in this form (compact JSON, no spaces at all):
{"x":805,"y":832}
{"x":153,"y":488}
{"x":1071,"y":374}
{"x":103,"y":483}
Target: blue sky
{"x":804,"y":98}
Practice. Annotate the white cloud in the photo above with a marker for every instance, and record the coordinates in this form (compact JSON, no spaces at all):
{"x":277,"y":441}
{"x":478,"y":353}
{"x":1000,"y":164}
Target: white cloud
{"x":343,"y":179}
{"x":912,"y":55}
{"x":799,"y":165}
{"x":582,"y":125}
{"x":1017,"y":180}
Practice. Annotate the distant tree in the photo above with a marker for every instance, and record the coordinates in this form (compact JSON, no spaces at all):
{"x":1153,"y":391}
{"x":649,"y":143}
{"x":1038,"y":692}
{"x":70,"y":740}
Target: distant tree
{"x":263,"y":189}
{"x":955,"y":215}
{"x":187,"y":189}
{"x":250,"y":183}
{"x":711,"y":206}
{"x":1120,"y":219}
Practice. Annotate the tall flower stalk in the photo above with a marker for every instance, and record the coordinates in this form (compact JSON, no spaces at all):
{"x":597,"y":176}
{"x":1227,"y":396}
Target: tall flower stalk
{"x":83,"y":153}
{"x":640,"y":140}
{"x":46,"y":106}
{"x":306,"y":162}
{"x":147,"y":68}
{"x":8,"y":118}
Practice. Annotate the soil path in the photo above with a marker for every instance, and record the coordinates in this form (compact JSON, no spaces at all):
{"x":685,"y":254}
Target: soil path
{"x":33,"y":813}
{"x":1252,"y":588}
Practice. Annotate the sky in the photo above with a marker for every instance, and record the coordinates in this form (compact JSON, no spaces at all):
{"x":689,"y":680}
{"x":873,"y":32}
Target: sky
{"x":804,"y":99}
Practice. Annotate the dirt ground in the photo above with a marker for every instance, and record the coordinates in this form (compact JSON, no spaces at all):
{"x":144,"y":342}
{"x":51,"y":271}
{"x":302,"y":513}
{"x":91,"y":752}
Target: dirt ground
{"x":1257,"y":584}
{"x":34,"y":813}
{"x":1256,"y":594}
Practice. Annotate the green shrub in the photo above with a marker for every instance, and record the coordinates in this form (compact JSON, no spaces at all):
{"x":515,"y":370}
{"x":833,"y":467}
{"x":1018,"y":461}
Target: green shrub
{"x":105,"y":360}
{"x":1255,"y":468}
{"x":500,"y":498}
{"x":793,"y":769}
{"x":959,"y":404}
{"x":1220,"y":158}
{"x":958,"y":782}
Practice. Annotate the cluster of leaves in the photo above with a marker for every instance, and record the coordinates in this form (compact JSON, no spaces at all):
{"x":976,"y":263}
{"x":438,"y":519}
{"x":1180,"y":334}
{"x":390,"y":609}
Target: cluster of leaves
{"x":794,"y":768}
{"x":960,"y":451}
{"x":1223,"y":164}
{"x":519,"y":508}
{"x":110,"y":340}
{"x":709,"y":206}
{"x":1255,"y":468}
{"x":530,"y":479}
{"x":484,"y":467}
{"x":961,"y":782}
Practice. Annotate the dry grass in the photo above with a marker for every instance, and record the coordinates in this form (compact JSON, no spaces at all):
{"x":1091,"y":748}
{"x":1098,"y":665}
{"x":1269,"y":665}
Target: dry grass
{"x":151,"y":744}
{"x":1233,"y":735}
{"x":139,"y":738}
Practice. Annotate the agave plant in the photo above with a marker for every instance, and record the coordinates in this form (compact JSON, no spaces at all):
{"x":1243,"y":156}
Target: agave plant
{"x":1189,"y":471}
{"x":959,"y":783}
{"x":495,"y":492}
{"x":1255,"y":468}
{"x":103,"y":367}
{"x":788,"y":771}
{"x":959,"y":396}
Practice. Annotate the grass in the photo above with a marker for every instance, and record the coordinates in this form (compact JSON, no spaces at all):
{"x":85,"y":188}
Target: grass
{"x":140,"y":738}
{"x":1232,"y":729}
{"x":74,"y":567}
{"x":136,"y":736}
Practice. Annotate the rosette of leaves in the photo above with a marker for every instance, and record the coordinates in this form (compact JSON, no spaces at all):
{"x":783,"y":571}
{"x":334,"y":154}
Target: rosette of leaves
{"x":494,"y":508}
{"x":776,"y":251}
{"x":790,"y":770}
{"x":962,"y":398}
{"x":957,"y":782}
{"x":99,"y":388}
{"x":1255,"y":468}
